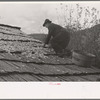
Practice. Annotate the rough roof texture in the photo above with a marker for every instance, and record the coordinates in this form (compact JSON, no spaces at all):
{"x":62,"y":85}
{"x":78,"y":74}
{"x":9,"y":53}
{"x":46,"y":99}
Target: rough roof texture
{"x":22,"y":58}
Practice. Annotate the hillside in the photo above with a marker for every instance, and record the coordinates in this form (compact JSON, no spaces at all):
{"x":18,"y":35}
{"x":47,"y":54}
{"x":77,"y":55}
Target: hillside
{"x":86,"y":40}
{"x":38,"y":36}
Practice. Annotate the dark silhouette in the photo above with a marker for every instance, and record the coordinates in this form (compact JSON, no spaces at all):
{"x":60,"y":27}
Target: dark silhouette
{"x":59,"y":36}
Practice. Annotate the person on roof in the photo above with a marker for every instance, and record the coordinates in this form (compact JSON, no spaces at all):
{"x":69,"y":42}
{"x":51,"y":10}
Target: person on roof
{"x":57,"y":35}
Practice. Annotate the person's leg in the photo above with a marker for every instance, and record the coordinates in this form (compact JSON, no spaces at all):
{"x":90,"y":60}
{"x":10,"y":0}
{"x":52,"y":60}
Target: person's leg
{"x":60,"y":42}
{"x":64,"y":43}
{"x":57,"y":48}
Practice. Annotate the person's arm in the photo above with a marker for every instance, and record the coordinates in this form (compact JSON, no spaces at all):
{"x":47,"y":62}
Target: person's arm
{"x":48,"y":38}
{"x":50,"y":31}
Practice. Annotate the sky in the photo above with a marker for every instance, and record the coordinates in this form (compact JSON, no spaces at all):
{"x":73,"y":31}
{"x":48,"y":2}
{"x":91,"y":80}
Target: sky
{"x":31,"y":15}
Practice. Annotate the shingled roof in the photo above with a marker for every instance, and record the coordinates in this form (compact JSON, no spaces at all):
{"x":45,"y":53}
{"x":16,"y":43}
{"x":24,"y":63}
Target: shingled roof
{"x":22,"y":58}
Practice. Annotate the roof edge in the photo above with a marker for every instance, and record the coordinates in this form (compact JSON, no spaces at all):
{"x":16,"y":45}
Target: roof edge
{"x":10,"y":26}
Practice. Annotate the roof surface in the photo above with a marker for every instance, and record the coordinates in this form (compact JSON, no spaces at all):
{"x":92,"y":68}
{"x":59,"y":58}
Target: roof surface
{"x":22,"y":58}
{"x":50,"y":69}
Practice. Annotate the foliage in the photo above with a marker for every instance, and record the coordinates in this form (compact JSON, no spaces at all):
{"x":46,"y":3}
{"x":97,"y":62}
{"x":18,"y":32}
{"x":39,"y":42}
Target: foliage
{"x":83,"y":22}
{"x":77,"y":17}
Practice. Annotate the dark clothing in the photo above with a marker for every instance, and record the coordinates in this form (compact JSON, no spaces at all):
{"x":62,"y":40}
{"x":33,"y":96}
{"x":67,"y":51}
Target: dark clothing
{"x":60,"y":37}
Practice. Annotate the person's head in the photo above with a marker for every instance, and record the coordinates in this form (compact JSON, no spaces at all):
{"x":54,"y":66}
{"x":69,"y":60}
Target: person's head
{"x":47,"y":22}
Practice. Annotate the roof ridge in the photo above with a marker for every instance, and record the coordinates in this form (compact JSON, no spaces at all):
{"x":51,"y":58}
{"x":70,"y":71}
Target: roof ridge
{"x":10,"y":26}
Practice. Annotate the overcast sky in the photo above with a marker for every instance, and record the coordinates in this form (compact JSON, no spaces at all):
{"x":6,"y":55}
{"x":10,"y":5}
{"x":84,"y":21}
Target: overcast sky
{"x":30,"y":16}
